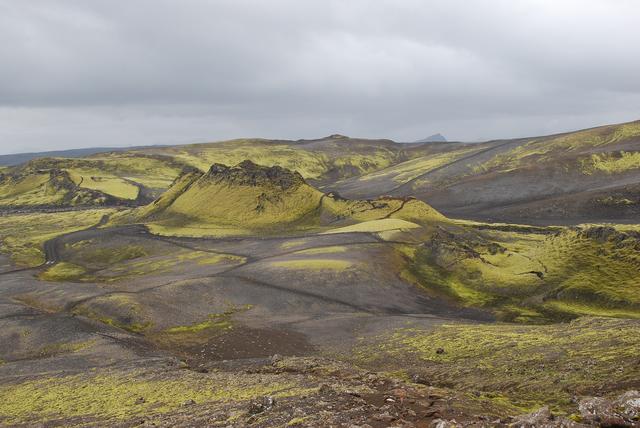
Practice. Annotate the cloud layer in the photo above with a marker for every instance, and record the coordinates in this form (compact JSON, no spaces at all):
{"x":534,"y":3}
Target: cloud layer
{"x":79,"y":73}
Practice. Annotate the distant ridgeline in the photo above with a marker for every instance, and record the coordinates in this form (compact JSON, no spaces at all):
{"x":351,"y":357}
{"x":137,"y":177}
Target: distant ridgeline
{"x":589,"y":175}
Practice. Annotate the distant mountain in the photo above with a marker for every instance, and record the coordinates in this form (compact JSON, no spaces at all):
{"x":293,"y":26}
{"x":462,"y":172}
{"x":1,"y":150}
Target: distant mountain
{"x":435,"y":138}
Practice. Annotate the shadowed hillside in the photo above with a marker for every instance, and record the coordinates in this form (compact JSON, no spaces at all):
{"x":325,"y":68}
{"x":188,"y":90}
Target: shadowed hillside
{"x":567,"y":178}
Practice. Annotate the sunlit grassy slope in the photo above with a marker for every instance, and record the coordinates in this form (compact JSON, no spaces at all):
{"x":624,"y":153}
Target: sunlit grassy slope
{"x":43,"y":188}
{"x":227,"y":200}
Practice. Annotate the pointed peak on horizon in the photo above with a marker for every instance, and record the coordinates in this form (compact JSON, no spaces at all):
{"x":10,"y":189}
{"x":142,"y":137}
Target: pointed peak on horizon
{"x":435,"y":138}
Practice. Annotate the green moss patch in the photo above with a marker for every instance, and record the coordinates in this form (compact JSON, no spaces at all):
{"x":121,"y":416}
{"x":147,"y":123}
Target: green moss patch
{"x":527,"y":366}
{"x":316,"y":264}
{"x":62,"y":271}
{"x":22,"y":236}
{"x":120,"y":396}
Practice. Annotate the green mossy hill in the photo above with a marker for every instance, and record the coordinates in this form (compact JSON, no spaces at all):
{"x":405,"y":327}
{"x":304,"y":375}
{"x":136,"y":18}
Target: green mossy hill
{"x":534,"y":277}
{"x":164,"y":201}
{"x":106,"y":179}
{"x":245,"y":196}
{"x":248,"y":198}
{"x":336,"y":209}
{"x":53,"y":187}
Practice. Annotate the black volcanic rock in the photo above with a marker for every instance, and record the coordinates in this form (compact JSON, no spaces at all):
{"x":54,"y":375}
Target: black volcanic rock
{"x":248,"y":173}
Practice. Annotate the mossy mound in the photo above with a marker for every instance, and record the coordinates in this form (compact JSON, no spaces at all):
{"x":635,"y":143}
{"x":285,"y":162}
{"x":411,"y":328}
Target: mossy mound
{"x":244,"y":197}
{"x":249,"y":198}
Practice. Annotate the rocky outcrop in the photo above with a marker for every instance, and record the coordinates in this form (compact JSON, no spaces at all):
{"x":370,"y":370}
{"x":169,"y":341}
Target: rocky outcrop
{"x":247,"y":173}
{"x":623,"y":411}
{"x":604,"y":234}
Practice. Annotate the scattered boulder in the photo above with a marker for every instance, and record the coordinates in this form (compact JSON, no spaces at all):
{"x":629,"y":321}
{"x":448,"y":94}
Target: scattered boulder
{"x":629,"y":403}
{"x":262,"y":405}
{"x":442,"y":423}
{"x":420,"y":379}
{"x":543,"y":418}
{"x":248,"y":173}
{"x":275,"y":359}
{"x":325,"y":389}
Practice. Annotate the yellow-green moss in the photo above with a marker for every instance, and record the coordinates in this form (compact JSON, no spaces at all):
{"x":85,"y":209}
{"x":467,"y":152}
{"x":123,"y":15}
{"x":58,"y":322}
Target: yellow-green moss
{"x":533,"y":276}
{"x":212,"y":323}
{"x":109,"y":184}
{"x":117,"y":310}
{"x":313,"y":264}
{"x":114,"y":396}
{"x":610,"y":163}
{"x":409,"y":170}
{"x":62,"y":271}
{"x":323,"y":250}
{"x":22,"y":236}
{"x":64,"y":348}
{"x":526,"y":365}
{"x":376,"y":226}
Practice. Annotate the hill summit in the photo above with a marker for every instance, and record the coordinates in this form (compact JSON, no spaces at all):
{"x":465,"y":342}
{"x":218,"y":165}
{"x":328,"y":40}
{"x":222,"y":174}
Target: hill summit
{"x":247,"y":173}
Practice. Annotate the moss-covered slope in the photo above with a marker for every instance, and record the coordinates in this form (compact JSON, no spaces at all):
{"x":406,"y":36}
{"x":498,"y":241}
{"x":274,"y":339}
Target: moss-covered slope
{"x":110,"y":179}
{"x":249,"y":198}
{"x":534,"y":275}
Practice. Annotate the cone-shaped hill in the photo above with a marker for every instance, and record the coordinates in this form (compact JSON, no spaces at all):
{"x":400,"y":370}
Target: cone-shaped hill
{"x":248,"y":197}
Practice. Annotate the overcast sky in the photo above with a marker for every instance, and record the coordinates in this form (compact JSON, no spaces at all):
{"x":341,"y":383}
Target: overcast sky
{"x":82,"y":73}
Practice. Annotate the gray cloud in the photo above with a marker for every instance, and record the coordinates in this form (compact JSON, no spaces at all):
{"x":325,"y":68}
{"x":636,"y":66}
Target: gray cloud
{"x":78,"y":73}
